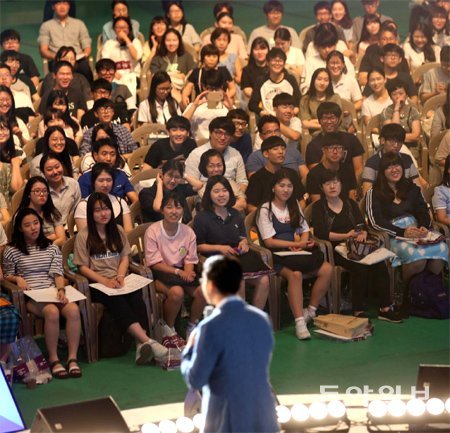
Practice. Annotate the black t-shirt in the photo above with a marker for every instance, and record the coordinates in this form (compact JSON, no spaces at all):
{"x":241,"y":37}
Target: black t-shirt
{"x":161,"y":150}
{"x":352,"y":148}
{"x":260,"y":186}
{"x":195,"y":77}
{"x":77,"y":101}
{"x":372,"y":60}
{"x":314,"y":179}
{"x":252,"y":73}
{"x":70,"y":145}
{"x":27,"y":66}
{"x":405,"y":77}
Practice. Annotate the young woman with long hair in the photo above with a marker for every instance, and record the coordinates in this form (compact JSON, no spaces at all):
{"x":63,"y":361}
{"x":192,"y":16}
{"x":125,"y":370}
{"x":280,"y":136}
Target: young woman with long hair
{"x":369,"y":34}
{"x":156,"y":30}
{"x":257,"y":66}
{"x":379,"y":99}
{"x":420,"y":48}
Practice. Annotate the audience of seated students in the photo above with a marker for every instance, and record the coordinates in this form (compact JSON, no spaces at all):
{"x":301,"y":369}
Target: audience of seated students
{"x":177,"y":145}
{"x":325,"y":41}
{"x":322,"y":12}
{"x":435,"y":81}
{"x":333,"y":152}
{"x":102,"y":255}
{"x":105,"y":150}
{"x":209,"y":60}
{"x":21,"y":92}
{"x":221,"y":38}
{"x":65,"y":30}
{"x":340,"y":17}
{"x":282,"y":227}
{"x":237,"y":45}
{"x":102,"y":88}
{"x":269,"y":126}
{"x":379,"y":98}
{"x":126,"y":51}
{"x":439,"y":25}
{"x":79,"y":83}
{"x":391,"y":58}
{"x":176,"y":19}
{"x":221,"y":131}
{"x":370,"y":8}
{"x":396,"y":206}
{"x":420,"y":48}
{"x":241,"y":140}
{"x":278,"y":81}
{"x":259,"y":188}
{"x":295,"y":60}
{"x":173,"y":58}
{"x":441,"y":118}
{"x":54,"y":141}
{"x":160,"y":105}
{"x":210,"y":104}
{"x":441,"y":196}
{"x":220,"y":229}
{"x":104,"y":111}
{"x":36,"y":195}
{"x":170,"y":180}
{"x":8,"y":110}
{"x":171,"y":253}
{"x":10,"y":41}
{"x":119,"y":9}
{"x":369,"y":34}
{"x":403,"y":112}
{"x":344,"y":84}
{"x":320,"y":90}
{"x":257,"y":67}
{"x":102,"y":180}
{"x":392,"y":137}
{"x":273,"y":10}
{"x":212,"y":163}
{"x":157,"y":28}
{"x":337,"y":218}
{"x":64,"y":190}
{"x":10,"y":161}
{"x":30,"y":246}
{"x":106,"y":69}
{"x":372,"y":57}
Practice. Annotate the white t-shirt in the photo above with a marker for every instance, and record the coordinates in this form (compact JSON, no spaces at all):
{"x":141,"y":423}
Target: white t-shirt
{"x":295,"y":124}
{"x":415,"y":58}
{"x":347,"y":88}
{"x":295,"y":57}
{"x":162,"y":111}
{"x":202,"y":117}
{"x":371,"y":107}
{"x":80,"y":211}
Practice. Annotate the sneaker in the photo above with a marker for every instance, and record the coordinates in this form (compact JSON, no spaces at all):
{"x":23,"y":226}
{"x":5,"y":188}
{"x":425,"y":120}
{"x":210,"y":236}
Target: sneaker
{"x":390,"y":316}
{"x":302,"y":331}
{"x":307,"y":316}
{"x":144,"y":353}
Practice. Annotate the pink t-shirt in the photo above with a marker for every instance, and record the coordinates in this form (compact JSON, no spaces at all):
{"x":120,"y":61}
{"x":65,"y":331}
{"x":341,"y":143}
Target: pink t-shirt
{"x":172,"y":250}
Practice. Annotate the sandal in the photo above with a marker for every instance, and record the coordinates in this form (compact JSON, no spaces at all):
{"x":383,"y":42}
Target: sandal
{"x":59,"y":372}
{"x":73,"y":370}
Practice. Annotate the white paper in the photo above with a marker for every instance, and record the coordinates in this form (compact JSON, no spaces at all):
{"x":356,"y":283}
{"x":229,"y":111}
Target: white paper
{"x":377,"y":256}
{"x":293,"y":253}
{"x":49,"y":295}
{"x":430,"y":237}
{"x":132,"y":282}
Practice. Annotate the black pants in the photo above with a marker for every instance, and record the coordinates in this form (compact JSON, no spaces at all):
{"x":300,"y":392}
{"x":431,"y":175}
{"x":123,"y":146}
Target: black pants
{"x":363,"y":277}
{"x":126,"y":309}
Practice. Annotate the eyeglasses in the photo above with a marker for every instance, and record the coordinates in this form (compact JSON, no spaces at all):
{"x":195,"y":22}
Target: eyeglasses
{"x":238,"y":124}
{"x":106,"y":109}
{"x":164,"y":89}
{"x":39,"y":192}
{"x":271,"y":132}
{"x":335,"y":148}
{"x":392,"y":55}
{"x":220,"y":133}
{"x":277,"y":61}
{"x":215,"y":165}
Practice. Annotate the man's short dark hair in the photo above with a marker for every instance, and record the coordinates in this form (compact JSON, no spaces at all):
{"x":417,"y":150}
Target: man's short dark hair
{"x":283,"y":99}
{"x":224,"y":272}
{"x":331,"y":139}
{"x":178,"y":122}
{"x":273,"y":141}
{"x":9,"y":55}
{"x":105,"y":142}
{"x":445,"y":54}
{"x":115,"y":2}
{"x":102,"y":103}
{"x":101,"y":83}
{"x":325,"y":35}
{"x":268,"y":118}
{"x":273,"y":5}
{"x":328,"y":108}
{"x":222,"y":122}
{"x":9,"y":34}
{"x":221,"y":5}
{"x":238,"y":113}
{"x":393,"y":131}
{"x":276,"y":53}
{"x":213,"y":79}
{"x":321,"y":5}
{"x":393,"y":48}
{"x":5,"y":66}
{"x":61,"y":64}
{"x":394,"y":84}
{"x":104,"y":64}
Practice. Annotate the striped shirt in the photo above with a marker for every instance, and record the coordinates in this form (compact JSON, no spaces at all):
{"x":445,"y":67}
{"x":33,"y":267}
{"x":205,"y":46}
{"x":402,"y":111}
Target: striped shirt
{"x":38,"y":268}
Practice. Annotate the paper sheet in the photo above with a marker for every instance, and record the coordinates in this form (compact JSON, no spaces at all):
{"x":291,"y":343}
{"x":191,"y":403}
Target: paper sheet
{"x":293,"y":253}
{"x":49,"y":295}
{"x":377,"y":256}
{"x":133,"y":282}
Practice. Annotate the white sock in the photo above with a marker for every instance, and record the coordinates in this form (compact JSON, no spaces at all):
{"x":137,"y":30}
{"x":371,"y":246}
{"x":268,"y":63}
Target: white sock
{"x":299,"y":320}
{"x":158,"y":349}
{"x":312,"y":310}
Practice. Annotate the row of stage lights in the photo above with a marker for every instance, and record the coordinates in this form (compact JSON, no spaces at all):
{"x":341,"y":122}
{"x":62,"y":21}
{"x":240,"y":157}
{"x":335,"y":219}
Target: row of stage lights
{"x":298,"y":416}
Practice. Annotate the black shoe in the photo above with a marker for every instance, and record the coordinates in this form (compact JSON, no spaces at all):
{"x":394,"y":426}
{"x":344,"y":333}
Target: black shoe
{"x":390,"y":316}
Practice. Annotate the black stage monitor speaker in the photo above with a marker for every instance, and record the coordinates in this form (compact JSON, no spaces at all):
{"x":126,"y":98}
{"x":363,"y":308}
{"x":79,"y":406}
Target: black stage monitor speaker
{"x":93,"y":416}
{"x":436,"y":378}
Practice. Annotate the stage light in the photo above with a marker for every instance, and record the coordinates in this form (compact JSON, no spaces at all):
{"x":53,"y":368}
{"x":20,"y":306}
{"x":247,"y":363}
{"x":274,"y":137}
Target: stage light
{"x":397,"y":408}
{"x":283,"y":414}
{"x":336,"y":409}
{"x":199,"y":421}
{"x":185,"y":424}
{"x":150,"y":428}
{"x":318,"y":410}
{"x":415,"y":407}
{"x":377,"y":408}
{"x":447,"y":405}
{"x":435,"y":406}
{"x":299,"y":412}
{"x":167,"y":426}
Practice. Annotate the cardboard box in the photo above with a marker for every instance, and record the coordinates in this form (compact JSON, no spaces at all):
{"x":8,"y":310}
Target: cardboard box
{"x":347,"y":326}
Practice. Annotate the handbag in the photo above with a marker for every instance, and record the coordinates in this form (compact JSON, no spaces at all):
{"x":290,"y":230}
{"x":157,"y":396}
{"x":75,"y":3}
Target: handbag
{"x":358,"y":250}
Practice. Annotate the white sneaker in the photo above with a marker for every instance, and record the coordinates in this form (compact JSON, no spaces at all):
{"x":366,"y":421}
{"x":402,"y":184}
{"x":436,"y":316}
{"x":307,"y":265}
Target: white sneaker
{"x":302,"y":331}
{"x":144,"y":353}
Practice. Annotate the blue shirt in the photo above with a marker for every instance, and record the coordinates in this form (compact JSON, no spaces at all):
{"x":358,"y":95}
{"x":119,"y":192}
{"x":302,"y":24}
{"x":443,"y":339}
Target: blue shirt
{"x":121,"y":184}
{"x":292,"y":160}
{"x":244,"y":146}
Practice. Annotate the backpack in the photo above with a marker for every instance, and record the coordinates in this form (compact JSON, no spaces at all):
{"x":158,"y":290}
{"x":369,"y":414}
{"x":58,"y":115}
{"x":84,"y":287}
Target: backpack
{"x":429,"y":297}
{"x":112,"y":340}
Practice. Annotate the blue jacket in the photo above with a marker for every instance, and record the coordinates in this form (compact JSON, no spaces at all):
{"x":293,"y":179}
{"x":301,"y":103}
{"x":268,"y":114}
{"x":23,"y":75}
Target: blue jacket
{"x":230,"y":362}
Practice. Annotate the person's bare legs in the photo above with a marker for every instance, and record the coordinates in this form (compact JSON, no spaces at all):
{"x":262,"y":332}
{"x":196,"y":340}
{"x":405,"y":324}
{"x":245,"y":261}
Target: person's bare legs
{"x":435,"y":266}
{"x":262,"y":288}
{"x":411,"y":269}
{"x":172,"y":304}
{"x":295,"y":291}
{"x":322,"y":283}
{"x":73,"y":328}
